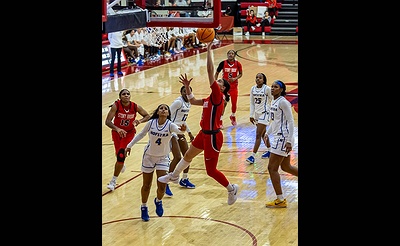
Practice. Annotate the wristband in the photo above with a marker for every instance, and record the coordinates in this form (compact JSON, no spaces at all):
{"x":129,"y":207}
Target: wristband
{"x":190,"y":96}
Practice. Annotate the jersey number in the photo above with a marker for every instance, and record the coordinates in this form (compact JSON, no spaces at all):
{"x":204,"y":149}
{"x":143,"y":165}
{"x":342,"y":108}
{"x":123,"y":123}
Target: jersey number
{"x":125,"y":122}
{"x":185,"y":116}
{"x":158,"y":141}
{"x":257,"y":100}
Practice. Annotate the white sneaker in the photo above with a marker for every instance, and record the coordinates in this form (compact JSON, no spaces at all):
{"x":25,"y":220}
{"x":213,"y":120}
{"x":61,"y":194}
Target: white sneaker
{"x":168,"y":178}
{"x":247,"y":34}
{"x":232,"y":195}
{"x":258,"y":24}
{"x":253,"y":28}
{"x":123,"y":169}
{"x":263,"y":33}
{"x":111,"y":185}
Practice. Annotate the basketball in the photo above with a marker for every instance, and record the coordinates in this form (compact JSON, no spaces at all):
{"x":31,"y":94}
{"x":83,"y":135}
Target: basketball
{"x":205,"y":35}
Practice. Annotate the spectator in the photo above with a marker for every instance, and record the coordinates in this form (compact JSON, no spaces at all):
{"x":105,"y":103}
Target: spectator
{"x":228,"y":11}
{"x":132,"y":46}
{"x":271,"y":8}
{"x":183,"y":3}
{"x":116,"y":45}
{"x":251,"y":21}
{"x":265,"y":21}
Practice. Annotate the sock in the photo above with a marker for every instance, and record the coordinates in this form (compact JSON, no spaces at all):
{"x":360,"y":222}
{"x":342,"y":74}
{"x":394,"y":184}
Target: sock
{"x":184,"y":176}
{"x":157,"y":200}
{"x":114,"y":178}
{"x":144,"y":205}
{"x":182,"y":165}
{"x":280,"y":197}
{"x":233,"y":114}
{"x":267,"y":149}
{"x":253,"y":154}
{"x":229,"y":187}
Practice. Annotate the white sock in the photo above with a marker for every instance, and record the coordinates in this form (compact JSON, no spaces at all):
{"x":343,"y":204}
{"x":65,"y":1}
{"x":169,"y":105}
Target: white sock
{"x":253,"y":154}
{"x":182,"y":165}
{"x":157,"y":200}
{"x":114,"y":178}
{"x":280,"y":197}
{"x":229,"y":187}
{"x":184,"y":176}
{"x":144,"y":205}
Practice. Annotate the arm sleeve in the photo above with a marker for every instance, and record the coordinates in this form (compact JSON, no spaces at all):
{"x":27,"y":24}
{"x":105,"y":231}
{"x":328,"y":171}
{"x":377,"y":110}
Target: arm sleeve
{"x":187,"y":127}
{"x":140,"y":135}
{"x":252,"y":107}
{"x":177,"y":104}
{"x":175,"y":128}
{"x":287,"y":110}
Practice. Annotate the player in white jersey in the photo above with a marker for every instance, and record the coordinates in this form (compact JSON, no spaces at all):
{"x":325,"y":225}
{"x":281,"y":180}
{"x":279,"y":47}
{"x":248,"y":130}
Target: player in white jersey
{"x":281,"y":130}
{"x":156,"y":154}
{"x":260,"y":99}
{"x":180,"y":108}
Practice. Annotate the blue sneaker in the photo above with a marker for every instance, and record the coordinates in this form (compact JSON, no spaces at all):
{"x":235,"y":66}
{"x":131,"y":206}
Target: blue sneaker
{"x":168,"y":192}
{"x":159,"y":208}
{"x":186,"y":183}
{"x":250,"y":159}
{"x":112,"y":75}
{"x":265,"y":155}
{"x":145,"y":214}
{"x":120,"y":74}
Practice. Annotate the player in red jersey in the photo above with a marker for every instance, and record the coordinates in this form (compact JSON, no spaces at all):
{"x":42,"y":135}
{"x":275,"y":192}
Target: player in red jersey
{"x":122,"y":120}
{"x":231,"y":71}
{"x":210,"y":138}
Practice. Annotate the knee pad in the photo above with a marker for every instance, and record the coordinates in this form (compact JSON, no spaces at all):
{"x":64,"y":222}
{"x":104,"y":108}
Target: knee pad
{"x":121,"y":155}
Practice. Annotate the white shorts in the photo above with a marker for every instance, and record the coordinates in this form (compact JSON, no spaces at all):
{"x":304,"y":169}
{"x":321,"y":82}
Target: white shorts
{"x":278,"y":145}
{"x":151,"y":163}
{"x":262,"y":118}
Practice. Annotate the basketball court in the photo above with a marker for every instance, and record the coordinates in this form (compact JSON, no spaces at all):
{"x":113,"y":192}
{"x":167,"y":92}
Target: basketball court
{"x":201,"y":216}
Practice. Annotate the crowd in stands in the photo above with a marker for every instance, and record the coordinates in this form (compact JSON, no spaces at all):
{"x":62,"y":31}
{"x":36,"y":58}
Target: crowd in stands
{"x":147,"y":43}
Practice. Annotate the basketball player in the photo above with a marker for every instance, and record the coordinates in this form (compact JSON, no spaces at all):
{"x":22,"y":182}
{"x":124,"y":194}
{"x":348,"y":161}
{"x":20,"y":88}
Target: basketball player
{"x":231,"y":71}
{"x":180,"y":109}
{"x":260,"y":99}
{"x":122,"y":120}
{"x":156,"y":155}
{"x":281,"y":130}
{"x":210,"y":138}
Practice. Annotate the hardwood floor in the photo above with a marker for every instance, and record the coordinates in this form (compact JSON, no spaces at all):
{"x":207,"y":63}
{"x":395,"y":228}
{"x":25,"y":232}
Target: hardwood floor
{"x":201,"y":216}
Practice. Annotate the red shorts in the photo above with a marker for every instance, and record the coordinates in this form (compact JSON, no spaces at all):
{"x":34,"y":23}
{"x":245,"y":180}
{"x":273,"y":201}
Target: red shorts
{"x":210,"y":143}
{"x":121,"y":143}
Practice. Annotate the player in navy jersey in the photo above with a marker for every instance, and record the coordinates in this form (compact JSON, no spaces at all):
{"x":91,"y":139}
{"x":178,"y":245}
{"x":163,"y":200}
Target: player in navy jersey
{"x":122,"y":120}
{"x":281,"y":130}
{"x":156,"y":154}
{"x":210,"y":138}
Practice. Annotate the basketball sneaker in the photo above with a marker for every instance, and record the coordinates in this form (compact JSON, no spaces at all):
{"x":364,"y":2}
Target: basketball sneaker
{"x":168,"y":192}
{"x":168,"y":178}
{"x":276,"y":204}
{"x":250,"y":159}
{"x":265,"y":155}
{"x":111,"y":185}
{"x":232,"y":195}
{"x":233,"y":120}
{"x":186,"y":183}
{"x":145,"y":214}
{"x":159,"y":208}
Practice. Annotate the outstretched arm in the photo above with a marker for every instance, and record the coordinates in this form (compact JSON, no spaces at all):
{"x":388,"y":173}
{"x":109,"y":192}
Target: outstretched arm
{"x":186,"y":82}
{"x":210,"y":64}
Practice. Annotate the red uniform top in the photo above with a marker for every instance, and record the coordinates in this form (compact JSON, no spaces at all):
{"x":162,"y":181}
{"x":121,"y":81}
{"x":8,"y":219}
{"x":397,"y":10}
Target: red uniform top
{"x":230,"y":70}
{"x":213,"y":107}
{"x":125,"y":116}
